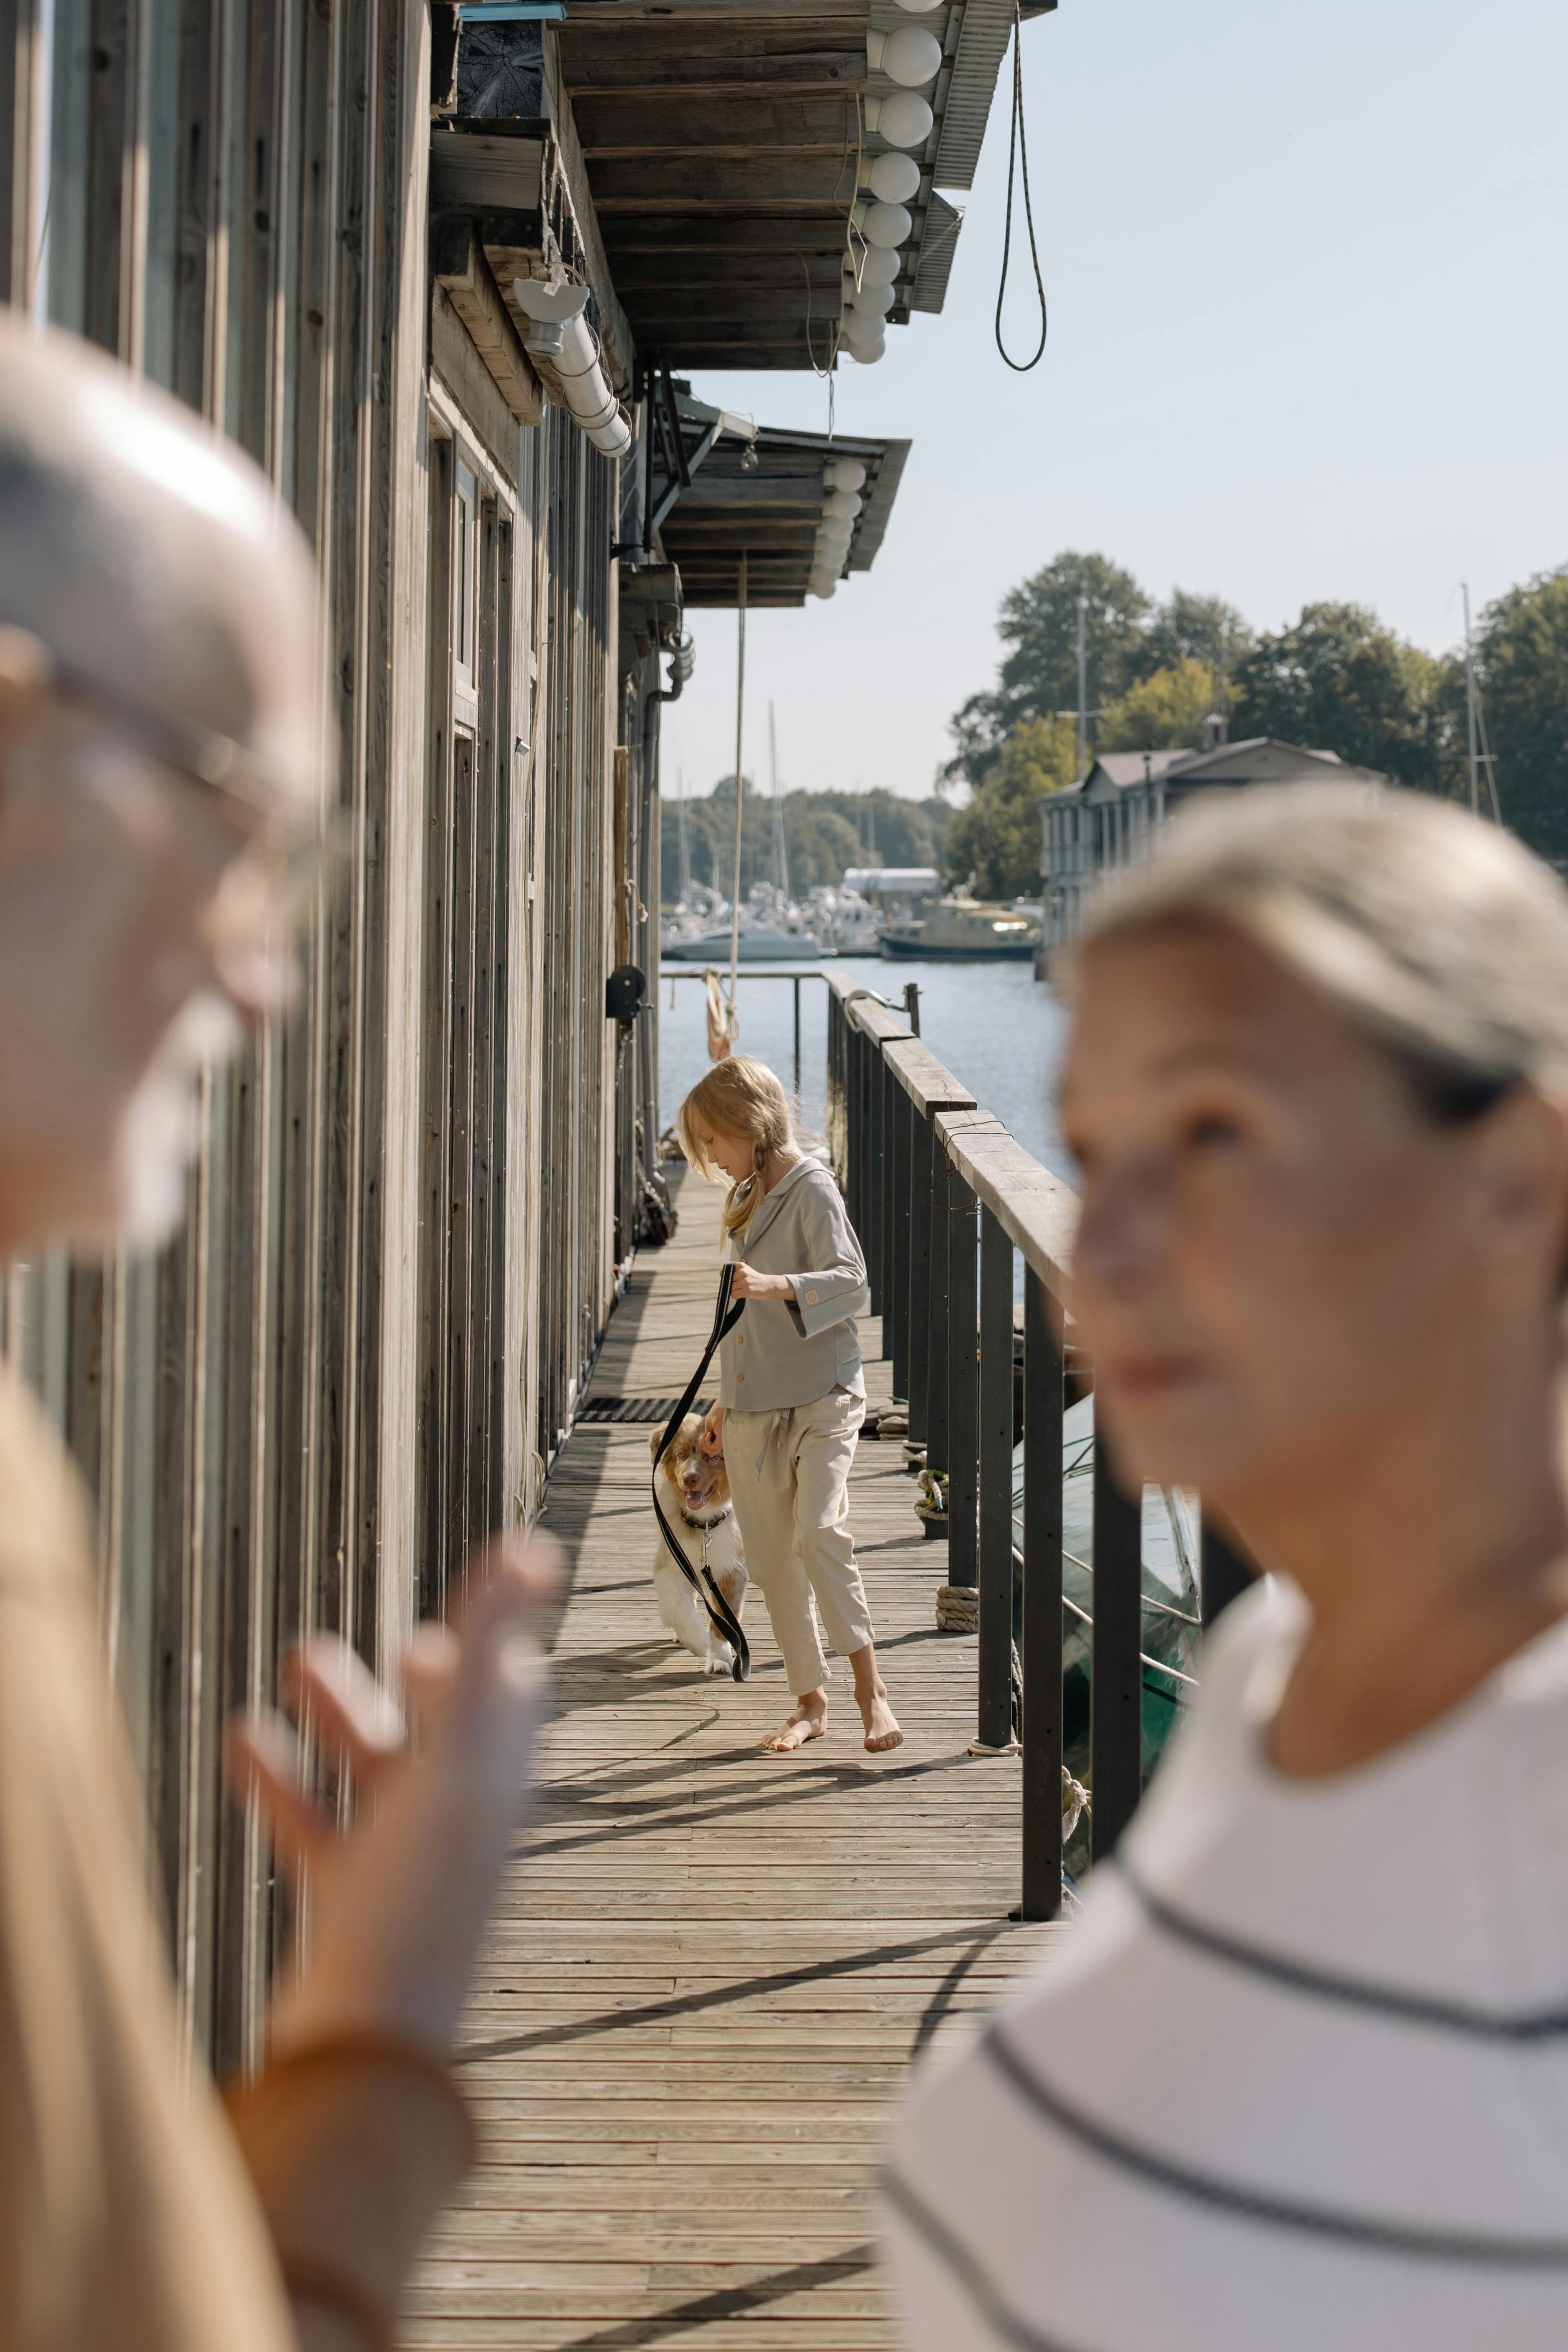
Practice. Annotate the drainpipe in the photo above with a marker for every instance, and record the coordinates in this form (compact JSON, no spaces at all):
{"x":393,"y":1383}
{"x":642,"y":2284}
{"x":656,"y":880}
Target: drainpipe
{"x":566,"y":351}
{"x":680,"y":669}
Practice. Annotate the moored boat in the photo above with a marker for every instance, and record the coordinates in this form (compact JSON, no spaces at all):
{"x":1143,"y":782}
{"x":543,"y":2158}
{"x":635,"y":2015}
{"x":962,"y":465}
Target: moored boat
{"x":963,"y":926}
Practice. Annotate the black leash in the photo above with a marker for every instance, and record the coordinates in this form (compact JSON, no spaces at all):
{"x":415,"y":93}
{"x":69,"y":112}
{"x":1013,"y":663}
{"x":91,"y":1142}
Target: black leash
{"x":720,"y":1616}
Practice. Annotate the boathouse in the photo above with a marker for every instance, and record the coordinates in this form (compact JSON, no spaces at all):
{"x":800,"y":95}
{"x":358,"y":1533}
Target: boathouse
{"x":1109,"y":818}
{"x":442,"y":270}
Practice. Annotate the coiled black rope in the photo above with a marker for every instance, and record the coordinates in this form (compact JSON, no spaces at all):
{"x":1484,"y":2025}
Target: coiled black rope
{"x":1018,"y":159}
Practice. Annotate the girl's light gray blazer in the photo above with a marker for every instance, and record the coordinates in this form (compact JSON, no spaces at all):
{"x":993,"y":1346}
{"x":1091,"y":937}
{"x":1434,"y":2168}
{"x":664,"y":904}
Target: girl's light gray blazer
{"x":788,"y":1352}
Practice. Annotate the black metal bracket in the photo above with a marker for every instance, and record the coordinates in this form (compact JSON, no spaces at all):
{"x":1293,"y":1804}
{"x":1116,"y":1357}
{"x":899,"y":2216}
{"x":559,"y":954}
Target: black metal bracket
{"x":670,"y":460}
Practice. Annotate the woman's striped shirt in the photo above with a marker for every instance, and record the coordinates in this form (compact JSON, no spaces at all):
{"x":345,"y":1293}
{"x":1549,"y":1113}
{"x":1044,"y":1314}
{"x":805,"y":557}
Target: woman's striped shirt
{"x":1296,"y":2080}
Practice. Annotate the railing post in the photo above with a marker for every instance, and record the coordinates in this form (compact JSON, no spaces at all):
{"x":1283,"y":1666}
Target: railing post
{"x":891,"y":1091}
{"x":898,"y":1233}
{"x":937,"y":1448}
{"x":1223,"y":1572}
{"x":1042,"y":1578}
{"x":873,"y":1234}
{"x":920,"y":1273}
{"x":994,"y":1728}
{"x":1116,"y":1675}
{"x":797,"y":1041}
{"x":962,"y":1389}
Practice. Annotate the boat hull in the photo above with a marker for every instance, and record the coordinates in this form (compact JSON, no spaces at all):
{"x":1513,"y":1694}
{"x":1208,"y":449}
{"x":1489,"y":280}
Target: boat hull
{"x":765,"y":947}
{"x":918,"y":948}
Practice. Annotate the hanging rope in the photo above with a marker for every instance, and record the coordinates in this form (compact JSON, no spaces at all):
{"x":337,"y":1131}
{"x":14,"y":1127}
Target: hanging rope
{"x":1018,"y":157}
{"x":739,"y":805}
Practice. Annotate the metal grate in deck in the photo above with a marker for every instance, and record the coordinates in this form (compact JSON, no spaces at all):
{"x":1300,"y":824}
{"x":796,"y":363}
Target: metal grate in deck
{"x":636,"y":1408}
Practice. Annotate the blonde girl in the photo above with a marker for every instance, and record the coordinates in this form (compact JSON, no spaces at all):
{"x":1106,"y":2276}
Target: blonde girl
{"x":792,"y":1393}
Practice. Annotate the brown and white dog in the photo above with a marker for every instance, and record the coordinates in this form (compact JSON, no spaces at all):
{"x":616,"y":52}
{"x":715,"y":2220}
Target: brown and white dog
{"x":694,"y":1493}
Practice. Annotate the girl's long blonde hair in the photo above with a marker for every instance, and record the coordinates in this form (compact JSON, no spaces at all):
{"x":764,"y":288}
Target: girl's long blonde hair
{"x":743,"y":1098}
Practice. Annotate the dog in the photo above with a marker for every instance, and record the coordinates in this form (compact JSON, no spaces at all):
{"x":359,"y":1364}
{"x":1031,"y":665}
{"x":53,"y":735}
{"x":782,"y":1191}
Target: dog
{"x":694,"y":1493}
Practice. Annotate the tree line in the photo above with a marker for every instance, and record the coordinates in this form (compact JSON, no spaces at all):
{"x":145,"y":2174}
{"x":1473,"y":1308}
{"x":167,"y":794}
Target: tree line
{"x":1334,"y":680}
{"x":824,"y":834}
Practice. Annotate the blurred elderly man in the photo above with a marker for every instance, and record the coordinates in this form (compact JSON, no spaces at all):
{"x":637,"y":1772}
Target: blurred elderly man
{"x":159,"y":782}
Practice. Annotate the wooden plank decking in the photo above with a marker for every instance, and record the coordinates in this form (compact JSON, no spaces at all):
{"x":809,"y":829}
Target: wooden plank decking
{"x":711,"y":1967}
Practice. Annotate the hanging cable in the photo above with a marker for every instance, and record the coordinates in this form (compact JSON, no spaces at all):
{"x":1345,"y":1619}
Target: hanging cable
{"x":1018,"y":158}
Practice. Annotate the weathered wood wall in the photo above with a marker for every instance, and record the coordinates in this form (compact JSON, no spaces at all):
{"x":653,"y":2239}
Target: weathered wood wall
{"x":362,"y":1352}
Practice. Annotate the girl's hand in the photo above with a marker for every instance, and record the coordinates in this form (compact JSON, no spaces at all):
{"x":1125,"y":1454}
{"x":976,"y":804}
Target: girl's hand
{"x":711,"y":1441}
{"x":399,"y":1897}
{"x":750,"y":1284}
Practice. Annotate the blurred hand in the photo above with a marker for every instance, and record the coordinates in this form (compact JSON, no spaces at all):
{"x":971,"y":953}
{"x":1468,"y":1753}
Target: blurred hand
{"x":711,"y":1441}
{"x":399,"y":1900}
{"x":749,"y":1284}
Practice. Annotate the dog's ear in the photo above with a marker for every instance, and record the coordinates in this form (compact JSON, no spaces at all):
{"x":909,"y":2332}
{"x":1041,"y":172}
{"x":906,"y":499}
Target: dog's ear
{"x":654,"y":1442}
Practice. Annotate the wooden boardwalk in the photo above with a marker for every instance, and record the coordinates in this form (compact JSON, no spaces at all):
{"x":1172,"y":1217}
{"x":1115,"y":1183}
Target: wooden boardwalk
{"x":712,"y":1967}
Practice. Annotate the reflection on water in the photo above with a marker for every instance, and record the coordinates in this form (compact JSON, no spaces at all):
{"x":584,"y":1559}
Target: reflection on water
{"x":994,"y":1025}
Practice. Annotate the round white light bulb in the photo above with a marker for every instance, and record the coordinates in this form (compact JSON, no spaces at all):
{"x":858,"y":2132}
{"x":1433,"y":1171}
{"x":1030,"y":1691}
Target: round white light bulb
{"x":842,"y":505}
{"x":904,"y":120}
{"x":895,"y":178}
{"x":911,"y":57}
{"x":845,"y":474}
{"x":825,"y":591}
{"x":879,"y":268}
{"x":872,"y":303}
{"x":887,"y":225}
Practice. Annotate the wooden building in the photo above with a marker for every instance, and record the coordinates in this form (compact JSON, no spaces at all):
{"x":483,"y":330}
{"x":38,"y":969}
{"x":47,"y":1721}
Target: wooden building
{"x":1111,"y":817}
{"x":331,"y":229}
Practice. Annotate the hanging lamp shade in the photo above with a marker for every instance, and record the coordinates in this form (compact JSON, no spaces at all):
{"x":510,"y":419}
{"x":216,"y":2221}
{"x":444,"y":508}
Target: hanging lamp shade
{"x":842,"y":505}
{"x":911,"y":57}
{"x":904,"y":120}
{"x":872,"y":303}
{"x":895,"y":178}
{"x":887,"y":225}
{"x":844,"y":474}
{"x":879,"y":268}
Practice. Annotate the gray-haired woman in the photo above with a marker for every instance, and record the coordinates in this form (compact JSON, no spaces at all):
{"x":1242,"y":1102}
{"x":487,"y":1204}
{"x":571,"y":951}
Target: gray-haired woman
{"x":1298,"y":2077}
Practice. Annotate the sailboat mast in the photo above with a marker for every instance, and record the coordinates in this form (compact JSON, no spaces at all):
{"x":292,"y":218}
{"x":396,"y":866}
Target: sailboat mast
{"x":781,"y":855}
{"x":1470,"y":707}
{"x":683,"y":837}
{"x":1082,"y":689}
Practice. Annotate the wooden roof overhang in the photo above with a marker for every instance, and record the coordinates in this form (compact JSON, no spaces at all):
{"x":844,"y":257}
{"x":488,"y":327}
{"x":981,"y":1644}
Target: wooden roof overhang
{"x":721,"y":139}
{"x":725,"y":142}
{"x":770,"y":512}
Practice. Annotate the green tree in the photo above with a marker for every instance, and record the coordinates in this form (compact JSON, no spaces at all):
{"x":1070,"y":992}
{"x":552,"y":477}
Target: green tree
{"x":1197,"y":628}
{"x":1038,"y":624}
{"x":1523,"y":660}
{"x":1164,"y":710}
{"x":821,"y":843}
{"x":997,"y":837}
{"x":1339,"y":681}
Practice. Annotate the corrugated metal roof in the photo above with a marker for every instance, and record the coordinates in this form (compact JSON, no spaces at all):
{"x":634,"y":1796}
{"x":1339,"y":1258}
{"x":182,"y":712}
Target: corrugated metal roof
{"x":873,"y":518}
{"x":938,"y":243}
{"x":984,"y":30}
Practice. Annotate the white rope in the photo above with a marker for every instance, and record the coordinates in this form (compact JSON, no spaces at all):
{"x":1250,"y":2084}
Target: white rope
{"x":735,"y":883}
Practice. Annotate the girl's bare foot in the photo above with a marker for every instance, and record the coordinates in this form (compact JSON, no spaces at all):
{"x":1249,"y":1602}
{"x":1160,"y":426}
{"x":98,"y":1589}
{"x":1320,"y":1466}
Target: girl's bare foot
{"x":881,"y":1724}
{"x":808,"y":1721}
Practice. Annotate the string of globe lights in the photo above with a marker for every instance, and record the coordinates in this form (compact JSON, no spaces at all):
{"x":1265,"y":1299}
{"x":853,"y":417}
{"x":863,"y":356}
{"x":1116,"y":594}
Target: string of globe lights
{"x":881,"y":223}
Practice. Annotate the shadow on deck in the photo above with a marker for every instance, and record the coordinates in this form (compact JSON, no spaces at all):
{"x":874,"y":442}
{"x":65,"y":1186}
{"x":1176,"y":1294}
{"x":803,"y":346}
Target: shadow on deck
{"x":711,"y":1967}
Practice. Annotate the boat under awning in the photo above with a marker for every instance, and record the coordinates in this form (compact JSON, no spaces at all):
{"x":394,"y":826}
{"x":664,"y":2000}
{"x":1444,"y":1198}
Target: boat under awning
{"x":763,"y":499}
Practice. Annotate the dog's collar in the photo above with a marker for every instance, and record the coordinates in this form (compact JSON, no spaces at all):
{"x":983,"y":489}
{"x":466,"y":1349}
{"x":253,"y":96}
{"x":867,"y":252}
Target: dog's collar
{"x":722,"y":1513}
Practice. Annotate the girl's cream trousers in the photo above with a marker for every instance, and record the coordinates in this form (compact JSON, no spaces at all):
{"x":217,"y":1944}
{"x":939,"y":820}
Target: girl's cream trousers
{"x":789,"y":1476}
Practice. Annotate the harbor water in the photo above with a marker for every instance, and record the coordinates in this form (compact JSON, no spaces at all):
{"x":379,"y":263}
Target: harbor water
{"x":997,"y":1029}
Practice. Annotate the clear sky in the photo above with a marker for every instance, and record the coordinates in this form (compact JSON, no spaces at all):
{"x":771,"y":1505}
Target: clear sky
{"x":1309,"y":339}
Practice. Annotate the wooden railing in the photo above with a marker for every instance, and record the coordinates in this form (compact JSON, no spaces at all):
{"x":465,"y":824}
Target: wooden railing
{"x":943,"y":1196}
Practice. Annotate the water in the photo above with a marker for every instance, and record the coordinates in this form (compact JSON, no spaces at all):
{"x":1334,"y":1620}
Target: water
{"x":997,"y":1029}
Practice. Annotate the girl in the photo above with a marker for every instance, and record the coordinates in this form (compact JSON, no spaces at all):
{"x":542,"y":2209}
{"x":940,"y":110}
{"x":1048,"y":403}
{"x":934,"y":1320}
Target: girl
{"x":792,"y":1394}
{"x":1298,"y":2075}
